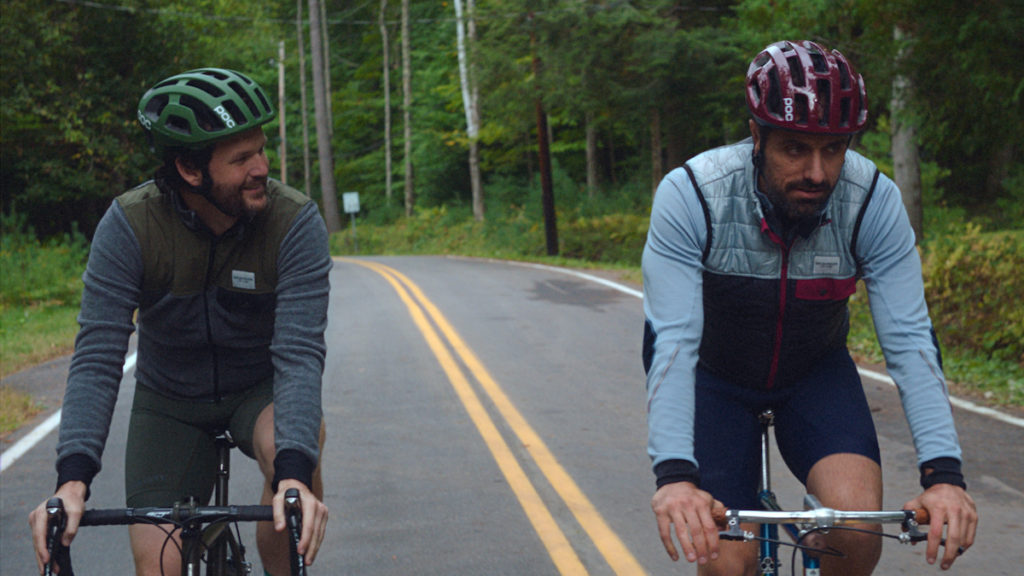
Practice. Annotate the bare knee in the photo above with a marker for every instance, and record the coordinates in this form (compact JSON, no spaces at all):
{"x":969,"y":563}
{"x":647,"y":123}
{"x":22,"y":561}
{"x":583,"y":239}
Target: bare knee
{"x":155,"y":551}
{"x":734,"y":559}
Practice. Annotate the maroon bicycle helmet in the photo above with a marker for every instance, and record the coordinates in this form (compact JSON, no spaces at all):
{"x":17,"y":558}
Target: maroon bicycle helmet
{"x":804,"y":87}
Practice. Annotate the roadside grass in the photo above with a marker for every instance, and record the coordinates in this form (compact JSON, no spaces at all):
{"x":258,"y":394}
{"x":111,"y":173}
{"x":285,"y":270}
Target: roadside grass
{"x":33,"y":334}
{"x":16,"y":407}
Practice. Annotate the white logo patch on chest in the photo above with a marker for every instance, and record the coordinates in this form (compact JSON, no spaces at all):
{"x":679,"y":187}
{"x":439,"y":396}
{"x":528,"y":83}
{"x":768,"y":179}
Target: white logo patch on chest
{"x":242,"y":279}
{"x":826,"y":264}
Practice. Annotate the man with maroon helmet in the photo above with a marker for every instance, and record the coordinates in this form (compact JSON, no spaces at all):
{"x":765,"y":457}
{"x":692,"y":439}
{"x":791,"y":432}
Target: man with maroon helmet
{"x":753,"y":252}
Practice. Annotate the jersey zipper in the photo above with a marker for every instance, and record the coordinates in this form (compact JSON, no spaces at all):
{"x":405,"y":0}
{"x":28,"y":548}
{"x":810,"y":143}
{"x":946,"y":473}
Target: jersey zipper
{"x":781,"y":314}
{"x":209,"y":326}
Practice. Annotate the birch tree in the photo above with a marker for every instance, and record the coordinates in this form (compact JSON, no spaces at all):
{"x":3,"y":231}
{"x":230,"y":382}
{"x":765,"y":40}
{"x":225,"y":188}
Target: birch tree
{"x":470,"y":103}
{"x":386,"y":49}
{"x":410,"y":194}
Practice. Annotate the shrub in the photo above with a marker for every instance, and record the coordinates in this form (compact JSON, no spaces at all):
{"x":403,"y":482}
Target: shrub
{"x":973,"y":282}
{"x":614,"y":238}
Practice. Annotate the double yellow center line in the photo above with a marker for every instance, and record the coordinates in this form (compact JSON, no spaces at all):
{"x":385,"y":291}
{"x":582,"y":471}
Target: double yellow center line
{"x":562,"y":553}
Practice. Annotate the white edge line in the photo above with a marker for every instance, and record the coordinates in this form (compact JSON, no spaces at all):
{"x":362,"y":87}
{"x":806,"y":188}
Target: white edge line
{"x":958,"y":402}
{"x":27,"y":442}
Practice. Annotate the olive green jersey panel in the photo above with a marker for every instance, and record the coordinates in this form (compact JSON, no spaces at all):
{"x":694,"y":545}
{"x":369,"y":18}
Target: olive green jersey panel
{"x":181,"y":261}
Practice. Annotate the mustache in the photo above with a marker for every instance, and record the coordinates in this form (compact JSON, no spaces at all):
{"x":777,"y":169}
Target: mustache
{"x":810,"y":186}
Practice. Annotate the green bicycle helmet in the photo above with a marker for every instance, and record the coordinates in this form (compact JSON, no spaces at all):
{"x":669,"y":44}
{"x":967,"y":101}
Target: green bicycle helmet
{"x":196,"y":108}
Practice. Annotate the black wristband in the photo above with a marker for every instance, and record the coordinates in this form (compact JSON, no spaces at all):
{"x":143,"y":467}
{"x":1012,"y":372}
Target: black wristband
{"x":942,"y":471}
{"x":292,"y":465}
{"x":672,"y":471}
{"x":77,"y":467}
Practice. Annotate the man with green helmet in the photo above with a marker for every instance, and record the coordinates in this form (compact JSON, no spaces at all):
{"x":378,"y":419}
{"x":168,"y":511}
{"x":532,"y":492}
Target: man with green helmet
{"x":225,"y":272}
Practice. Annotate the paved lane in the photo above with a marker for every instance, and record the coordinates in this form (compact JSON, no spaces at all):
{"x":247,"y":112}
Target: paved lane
{"x":488,"y":418}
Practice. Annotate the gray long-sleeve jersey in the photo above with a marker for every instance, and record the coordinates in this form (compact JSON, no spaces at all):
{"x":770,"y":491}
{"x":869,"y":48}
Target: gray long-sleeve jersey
{"x":215,"y":315}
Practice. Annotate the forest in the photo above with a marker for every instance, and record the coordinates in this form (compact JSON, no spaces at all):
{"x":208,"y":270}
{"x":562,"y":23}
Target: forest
{"x":517,"y":129}
{"x":626,"y":91}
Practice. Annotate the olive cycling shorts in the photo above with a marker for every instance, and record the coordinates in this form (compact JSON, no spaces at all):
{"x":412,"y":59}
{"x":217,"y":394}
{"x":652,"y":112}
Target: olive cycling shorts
{"x":171,"y":453}
{"x":824,"y":413}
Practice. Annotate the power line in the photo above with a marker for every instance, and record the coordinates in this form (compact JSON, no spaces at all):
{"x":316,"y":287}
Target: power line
{"x":336,"y":21}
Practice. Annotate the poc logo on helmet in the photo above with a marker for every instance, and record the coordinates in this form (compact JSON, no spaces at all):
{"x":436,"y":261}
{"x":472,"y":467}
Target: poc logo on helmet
{"x":787,"y":110}
{"x":228,"y":120}
{"x":146,"y":123}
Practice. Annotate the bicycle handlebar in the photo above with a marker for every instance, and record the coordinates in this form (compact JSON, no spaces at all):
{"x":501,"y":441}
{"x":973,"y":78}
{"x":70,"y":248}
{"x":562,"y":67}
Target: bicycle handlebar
{"x":175,"y":515}
{"x":820,"y":517}
{"x":178,"y":515}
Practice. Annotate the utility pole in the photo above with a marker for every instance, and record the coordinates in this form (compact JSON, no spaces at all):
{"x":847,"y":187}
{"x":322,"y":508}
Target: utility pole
{"x":280,"y":100}
{"x":302,"y":99}
{"x":328,"y":193}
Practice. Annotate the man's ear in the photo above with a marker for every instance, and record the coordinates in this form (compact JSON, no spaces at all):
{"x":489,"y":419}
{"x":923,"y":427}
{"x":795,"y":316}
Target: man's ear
{"x":189,"y":173}
{"x":755,"y":133}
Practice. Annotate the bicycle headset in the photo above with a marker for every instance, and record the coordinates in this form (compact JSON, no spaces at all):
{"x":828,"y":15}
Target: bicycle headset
{"x":197,"y":108}
{"x":804,"y":87}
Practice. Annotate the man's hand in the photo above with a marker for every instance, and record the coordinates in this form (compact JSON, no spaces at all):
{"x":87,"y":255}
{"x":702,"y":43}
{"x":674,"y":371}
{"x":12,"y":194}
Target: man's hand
{"x":952,"y":507}
{"x":73,"y":495}
{"x":688,"y":508}
{"x":314,"y":518}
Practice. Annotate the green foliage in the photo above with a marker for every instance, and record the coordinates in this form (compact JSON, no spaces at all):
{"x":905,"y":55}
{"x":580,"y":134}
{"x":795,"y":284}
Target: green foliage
{"x":973,"y":283}
{"x":592,"y":231}
{"x":614,"y":238}
{"x":39,"y":272}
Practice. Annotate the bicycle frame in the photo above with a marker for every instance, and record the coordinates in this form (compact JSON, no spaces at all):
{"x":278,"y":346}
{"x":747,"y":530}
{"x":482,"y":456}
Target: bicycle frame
{"x":218,"y":551}
{"x":768,"y":548}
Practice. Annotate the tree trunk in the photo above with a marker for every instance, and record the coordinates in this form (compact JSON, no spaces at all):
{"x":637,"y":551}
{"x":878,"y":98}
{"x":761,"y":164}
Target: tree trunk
{"x":469,"y":101}
{"x":282,"y":133}
{"x":387,"y":100}
{"x":328,"y":192}
{"x":410,"y":195}
{"x":326,"y":43}
{"x":547,"y":197}
{"x":591,"y":156}
{"x":657,"y":164}
{"x":905,"y":157}
{"x":302,"y":97}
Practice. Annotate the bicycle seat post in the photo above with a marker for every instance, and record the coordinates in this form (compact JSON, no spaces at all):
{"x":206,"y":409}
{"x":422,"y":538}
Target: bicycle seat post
{"x":766,"y":419}
{"x":224,"y":444}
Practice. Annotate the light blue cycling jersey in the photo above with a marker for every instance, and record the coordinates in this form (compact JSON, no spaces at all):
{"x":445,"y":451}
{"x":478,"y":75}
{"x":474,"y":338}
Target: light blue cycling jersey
{"x":771,"y":309}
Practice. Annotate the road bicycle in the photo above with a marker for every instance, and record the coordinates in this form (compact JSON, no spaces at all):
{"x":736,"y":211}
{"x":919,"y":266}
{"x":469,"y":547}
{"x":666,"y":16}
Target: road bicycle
{"x":209,"y":534}
{"x":803,"y":527}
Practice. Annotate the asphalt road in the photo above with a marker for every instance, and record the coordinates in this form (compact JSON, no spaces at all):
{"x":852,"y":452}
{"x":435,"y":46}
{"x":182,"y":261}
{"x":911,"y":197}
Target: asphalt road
{"x":488,"y":418}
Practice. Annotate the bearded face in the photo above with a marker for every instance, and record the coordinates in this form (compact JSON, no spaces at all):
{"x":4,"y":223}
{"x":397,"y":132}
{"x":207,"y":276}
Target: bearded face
{"x":798,"y":170}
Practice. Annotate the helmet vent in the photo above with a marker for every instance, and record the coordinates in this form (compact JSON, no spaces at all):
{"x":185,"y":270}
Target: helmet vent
{"x":175,"y":123}
{"x":797,"y":71}
{"x":155,"y":106}
{"x":244,"y":95}
{"x":210,"y":89}
{"x":844,"y":75}
{"x":824,"y":101}
{"x":205,"y":117}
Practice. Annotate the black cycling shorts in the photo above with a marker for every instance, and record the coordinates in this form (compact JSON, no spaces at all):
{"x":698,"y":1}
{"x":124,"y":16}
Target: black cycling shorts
{"x":171,"y":454}
{"x":824,"y":413}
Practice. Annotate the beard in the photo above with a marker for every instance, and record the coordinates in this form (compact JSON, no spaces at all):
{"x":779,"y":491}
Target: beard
{"x":793,"y":208}
{"x":245,"y":201}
